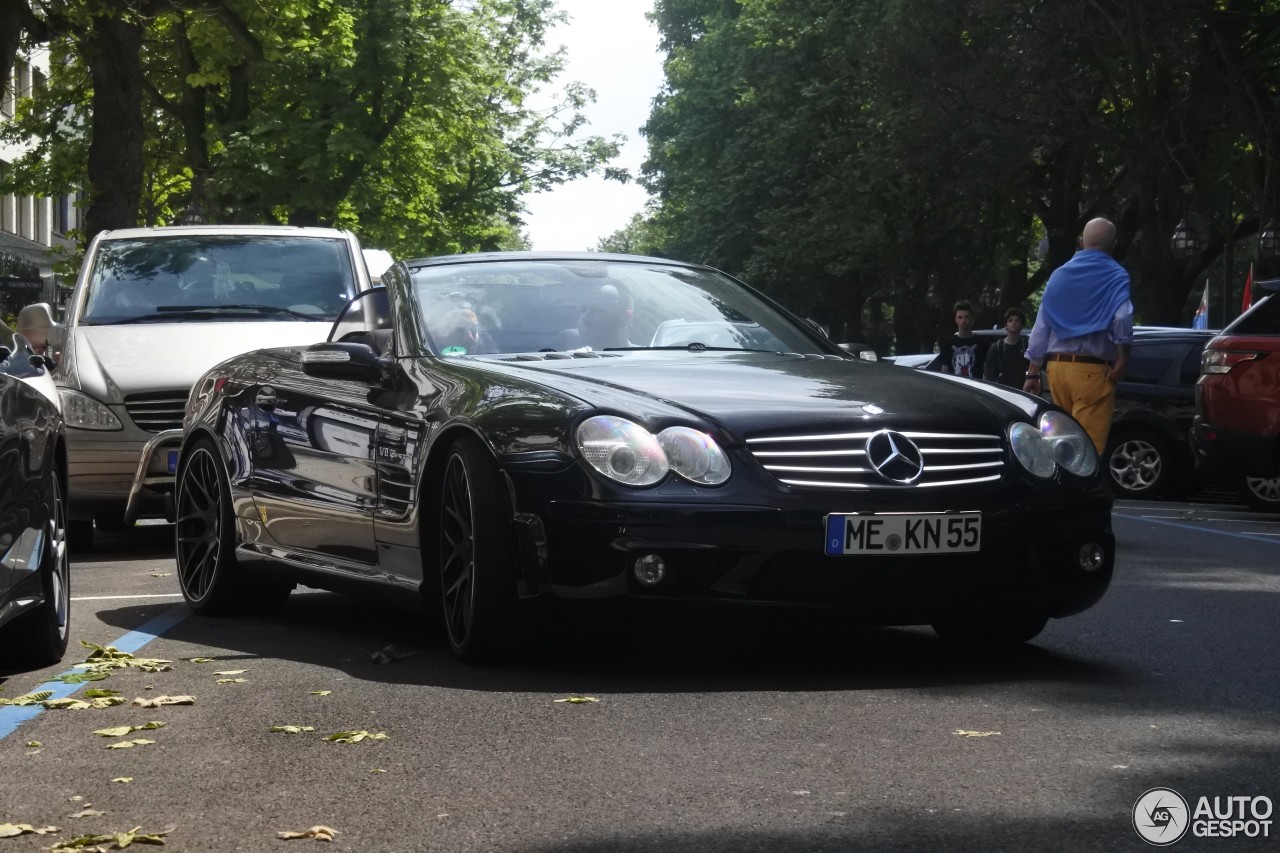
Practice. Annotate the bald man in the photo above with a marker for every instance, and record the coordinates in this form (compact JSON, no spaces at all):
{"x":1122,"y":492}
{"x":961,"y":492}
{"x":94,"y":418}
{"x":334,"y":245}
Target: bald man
{"x":1083,"y":332}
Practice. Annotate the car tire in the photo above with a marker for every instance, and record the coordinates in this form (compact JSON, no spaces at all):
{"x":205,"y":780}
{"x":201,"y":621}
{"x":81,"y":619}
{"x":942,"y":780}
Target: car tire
{"x":1140,"y":464}
{"x":1006,"y":630}
{"x":477,"y":555}
{"x":39,"y":638}
{"x":1261,"y":492}
{"x":212,"y":580}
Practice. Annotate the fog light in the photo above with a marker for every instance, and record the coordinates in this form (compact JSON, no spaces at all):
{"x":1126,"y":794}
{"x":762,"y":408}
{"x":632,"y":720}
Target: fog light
{"x":1091,"y":556}
{"x":650,"y":569}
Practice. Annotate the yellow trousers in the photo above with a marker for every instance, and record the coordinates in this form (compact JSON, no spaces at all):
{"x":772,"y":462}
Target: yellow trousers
{"x":1087,"y":392}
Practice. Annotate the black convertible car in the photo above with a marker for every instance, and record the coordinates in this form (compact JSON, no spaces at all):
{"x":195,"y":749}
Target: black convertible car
{"x":34,"y":570}
{"x":489,"y":429}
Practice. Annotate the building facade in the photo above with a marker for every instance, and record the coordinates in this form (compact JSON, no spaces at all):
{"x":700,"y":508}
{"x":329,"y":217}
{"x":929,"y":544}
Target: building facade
{"x":30,"y":226}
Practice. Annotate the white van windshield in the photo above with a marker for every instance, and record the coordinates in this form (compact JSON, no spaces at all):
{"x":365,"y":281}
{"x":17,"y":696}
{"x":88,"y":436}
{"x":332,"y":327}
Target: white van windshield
{"x":218,"y":278}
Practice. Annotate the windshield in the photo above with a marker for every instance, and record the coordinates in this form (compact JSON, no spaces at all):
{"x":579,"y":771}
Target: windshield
{"x":595,"y":306}
{"x":218,"y":277}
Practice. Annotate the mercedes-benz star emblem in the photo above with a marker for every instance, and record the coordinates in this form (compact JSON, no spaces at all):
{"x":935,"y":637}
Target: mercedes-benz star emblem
{"x":894,"y":457}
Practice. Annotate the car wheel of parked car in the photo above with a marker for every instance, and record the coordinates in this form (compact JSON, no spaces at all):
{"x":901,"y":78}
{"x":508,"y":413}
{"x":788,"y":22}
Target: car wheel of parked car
{"x":476,"y":554}
{"x":1009,"y":629}
{"x":1261,"y":492}
{"x":211,"y":578}
{"x":39,"y":638}
{"x":1141,"y":464}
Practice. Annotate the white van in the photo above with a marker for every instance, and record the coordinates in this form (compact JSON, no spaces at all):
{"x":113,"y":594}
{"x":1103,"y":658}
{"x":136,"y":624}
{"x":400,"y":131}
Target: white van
{"x":152,"y":309}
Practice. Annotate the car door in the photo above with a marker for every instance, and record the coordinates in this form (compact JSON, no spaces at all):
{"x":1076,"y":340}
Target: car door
{"x":314,"y":473}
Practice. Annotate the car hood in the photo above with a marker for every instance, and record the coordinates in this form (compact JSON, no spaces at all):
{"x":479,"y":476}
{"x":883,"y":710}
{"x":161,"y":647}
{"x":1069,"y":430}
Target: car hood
{"x":763,"y":392}
{"x":111,"y":362}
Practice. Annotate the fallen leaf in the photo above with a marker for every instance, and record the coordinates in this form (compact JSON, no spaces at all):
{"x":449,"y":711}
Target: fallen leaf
{"x":109,"y":841}
{"x":158,"y":701}
{"x":376,"y":770}
{"x":124,"y":780}
{"x":320,"y":833}
{"x":578,"y":700}
{"x":121,"y":731}
{"x":67,"y":704}
{"x":293,"y":730}
{"x":82,"y":677}
{"x":232,"y":681}
{"x":88,"y":812}
{"x":969,"y":733}
{"x":28,"y":698}
{"x":9,"y":830}
{"x":201,"y":660}
{"x":34,"y":744}
{"x":124,"y":744}
{"x":355,"y":736}
{"x":100,"y":693}
{"x":232,"y":672}
{"x":162,"y":574}
{"x":321,"y":692}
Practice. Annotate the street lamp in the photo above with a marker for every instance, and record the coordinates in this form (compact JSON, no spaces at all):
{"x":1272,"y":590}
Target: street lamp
{"x":1184,"y":244}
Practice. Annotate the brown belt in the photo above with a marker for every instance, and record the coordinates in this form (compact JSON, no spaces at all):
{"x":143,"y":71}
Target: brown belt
{"x":1081,"y":359}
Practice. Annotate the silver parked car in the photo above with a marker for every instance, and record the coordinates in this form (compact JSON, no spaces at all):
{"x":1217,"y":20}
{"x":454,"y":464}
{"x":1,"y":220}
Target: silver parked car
{"x":152,"y":309}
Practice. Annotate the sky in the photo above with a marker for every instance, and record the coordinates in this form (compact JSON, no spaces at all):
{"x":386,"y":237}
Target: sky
{"x":612,"y":49}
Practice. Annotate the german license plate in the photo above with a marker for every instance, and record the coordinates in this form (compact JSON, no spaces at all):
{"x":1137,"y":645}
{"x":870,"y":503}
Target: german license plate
{"x":895,"y":534}
{"x":173,"y":461}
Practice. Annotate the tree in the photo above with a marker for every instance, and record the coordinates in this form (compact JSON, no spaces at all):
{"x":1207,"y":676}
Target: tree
{"x":402,"y":119}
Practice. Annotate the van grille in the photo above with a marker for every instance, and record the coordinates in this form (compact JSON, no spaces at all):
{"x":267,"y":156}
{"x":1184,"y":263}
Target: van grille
{"x":839,"y":461}
{"x":157,"y":411}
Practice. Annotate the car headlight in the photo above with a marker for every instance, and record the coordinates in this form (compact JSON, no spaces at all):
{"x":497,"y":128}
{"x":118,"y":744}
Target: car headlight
{"x":694,"y":455}
{"x":1030,"y":449}
{"x":81,"y":411}
{"x":1072,"y":448}
{"x":627,"y":452}
{"x":622,"y":450}
{"x":1058,"y":442}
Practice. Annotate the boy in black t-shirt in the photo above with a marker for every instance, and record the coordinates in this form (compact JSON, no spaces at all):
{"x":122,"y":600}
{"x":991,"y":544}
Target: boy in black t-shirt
{"x":1007,"y":358}
{"x":963,"y":353}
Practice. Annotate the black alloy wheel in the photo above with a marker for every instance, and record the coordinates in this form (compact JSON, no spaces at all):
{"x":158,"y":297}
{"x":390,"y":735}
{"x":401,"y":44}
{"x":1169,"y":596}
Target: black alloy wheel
{"x":1261,"y":492}
{"x":211,"y":578}
{"x":477,"y":580}
{"x":997,"y":630}
{"x":39,"y":638}
{"x":1141,"y":464}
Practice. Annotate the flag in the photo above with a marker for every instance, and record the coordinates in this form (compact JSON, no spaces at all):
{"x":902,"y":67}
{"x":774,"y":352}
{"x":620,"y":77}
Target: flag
{"x":1201,"y":320}
{"x":1247,"y":299}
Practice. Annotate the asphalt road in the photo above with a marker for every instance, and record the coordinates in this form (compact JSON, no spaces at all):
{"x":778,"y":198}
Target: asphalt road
{"x":746,"y":733}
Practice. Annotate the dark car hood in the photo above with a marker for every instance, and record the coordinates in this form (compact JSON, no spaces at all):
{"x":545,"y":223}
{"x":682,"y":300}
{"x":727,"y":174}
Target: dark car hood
{"x":756,"y":393}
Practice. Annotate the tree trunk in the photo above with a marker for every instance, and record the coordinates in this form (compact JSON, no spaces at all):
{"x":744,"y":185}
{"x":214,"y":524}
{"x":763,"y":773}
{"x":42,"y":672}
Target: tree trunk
{"x":113,"y":53}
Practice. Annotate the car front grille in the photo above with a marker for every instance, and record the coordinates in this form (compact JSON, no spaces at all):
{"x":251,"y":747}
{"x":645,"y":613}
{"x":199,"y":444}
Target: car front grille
{"x":157,"y":411}
{"x":839,"y":461}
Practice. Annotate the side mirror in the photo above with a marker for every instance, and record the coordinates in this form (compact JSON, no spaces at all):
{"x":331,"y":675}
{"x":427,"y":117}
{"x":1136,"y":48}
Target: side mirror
{"x":36,"y":324}
{"x":345,"y":360}
{"x":862,"y":351}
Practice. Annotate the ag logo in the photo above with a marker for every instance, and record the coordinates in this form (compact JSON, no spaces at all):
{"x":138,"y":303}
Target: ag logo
{"x":1161,"y":817}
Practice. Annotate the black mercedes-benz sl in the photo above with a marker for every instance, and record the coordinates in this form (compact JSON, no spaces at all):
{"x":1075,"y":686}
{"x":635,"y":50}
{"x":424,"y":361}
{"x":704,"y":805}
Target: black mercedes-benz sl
{"x":494,"y":428}
{"x":35,"y":577}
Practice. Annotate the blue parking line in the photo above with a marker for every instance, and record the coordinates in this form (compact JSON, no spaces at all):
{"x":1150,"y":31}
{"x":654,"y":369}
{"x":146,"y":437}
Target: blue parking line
{"x":1252,"y":537}
{"x":12,"y":716}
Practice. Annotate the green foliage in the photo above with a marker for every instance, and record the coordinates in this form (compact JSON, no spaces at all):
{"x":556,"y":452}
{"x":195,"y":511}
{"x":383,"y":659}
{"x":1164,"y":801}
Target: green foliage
{"x":889,"y":157}
{"x":404,"y":120}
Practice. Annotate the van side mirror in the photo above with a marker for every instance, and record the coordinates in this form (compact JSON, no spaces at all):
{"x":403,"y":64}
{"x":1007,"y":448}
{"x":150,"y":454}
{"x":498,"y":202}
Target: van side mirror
{"x":36,"y":324}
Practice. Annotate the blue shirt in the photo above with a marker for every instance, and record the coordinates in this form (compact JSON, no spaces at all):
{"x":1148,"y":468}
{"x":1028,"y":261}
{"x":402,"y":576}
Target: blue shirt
{"x":1104,"y":344}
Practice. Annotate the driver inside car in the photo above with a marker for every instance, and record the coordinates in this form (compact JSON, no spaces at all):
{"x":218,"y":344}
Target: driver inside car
{"x":456,"y":331}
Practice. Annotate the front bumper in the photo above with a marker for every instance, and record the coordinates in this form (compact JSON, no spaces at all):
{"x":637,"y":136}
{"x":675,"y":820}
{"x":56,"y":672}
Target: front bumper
{"x":1029,"y":559}
{"x":120,"y":474}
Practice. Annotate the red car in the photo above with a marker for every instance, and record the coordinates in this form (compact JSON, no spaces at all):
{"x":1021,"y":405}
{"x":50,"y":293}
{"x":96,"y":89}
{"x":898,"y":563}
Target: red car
{"x":1237,"y":426}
